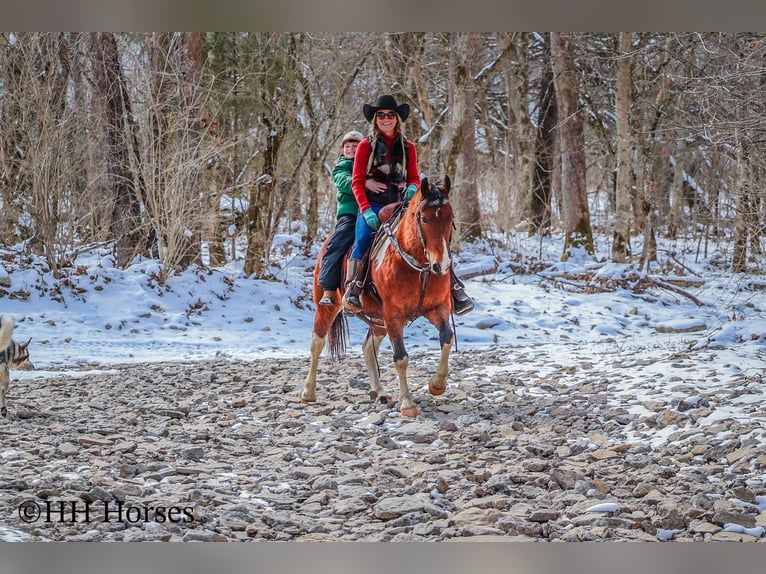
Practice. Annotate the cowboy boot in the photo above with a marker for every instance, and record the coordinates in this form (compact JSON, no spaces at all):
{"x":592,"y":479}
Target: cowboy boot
{"x":351,"y":300}
{"x":461,"y":302}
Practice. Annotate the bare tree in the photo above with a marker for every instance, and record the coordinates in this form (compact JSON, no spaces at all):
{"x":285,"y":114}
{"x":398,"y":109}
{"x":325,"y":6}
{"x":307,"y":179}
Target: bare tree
{"x":576,"y":215}
{"x":268,"y":200}
{"x":42,"y":145}
{"x":174,"y":147}
{"x":469,"y":223}
{"x":540,"y":198}
{"x":746,"y":218}
{"x":652,"y":165}
{"x":519,"y":135}
{"x":623,"y":184}
{"x":118,"y":183}
{"x":189,"y":145}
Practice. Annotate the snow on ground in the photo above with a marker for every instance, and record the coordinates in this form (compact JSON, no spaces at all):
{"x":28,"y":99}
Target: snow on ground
{"x":526,"y":299}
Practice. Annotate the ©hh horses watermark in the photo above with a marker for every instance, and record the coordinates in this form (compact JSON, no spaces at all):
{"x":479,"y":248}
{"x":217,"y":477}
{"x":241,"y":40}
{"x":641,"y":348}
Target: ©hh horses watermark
{"x":408,"y":277}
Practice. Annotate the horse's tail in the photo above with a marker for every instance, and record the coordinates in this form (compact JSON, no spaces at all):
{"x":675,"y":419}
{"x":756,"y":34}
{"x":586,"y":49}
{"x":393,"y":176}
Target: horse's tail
{"x":337,"y":337}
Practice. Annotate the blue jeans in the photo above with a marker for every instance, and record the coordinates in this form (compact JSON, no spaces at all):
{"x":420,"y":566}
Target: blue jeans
{"x":364,"y":234}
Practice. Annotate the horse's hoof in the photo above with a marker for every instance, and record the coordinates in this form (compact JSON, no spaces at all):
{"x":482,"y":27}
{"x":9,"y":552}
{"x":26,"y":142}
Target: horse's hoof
{"x":384,"y":400}
{"x":410,"y":411}
{"x":436,"y":391}
{"x":305,"y":399}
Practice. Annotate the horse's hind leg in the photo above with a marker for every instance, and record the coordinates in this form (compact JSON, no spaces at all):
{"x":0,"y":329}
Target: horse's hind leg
{"x":370,"y":347}
{"x":309,"y":393}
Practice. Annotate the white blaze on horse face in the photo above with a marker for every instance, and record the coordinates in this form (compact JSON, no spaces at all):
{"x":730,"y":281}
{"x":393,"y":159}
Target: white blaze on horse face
{"x":442,"y":259}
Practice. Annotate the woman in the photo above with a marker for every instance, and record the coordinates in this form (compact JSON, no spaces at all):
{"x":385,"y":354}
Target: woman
{"x":385,"y":171}
{"x":343,"y":236}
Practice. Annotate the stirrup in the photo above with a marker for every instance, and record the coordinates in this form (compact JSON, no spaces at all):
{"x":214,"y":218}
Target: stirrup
{"x":461,"y":303}
{"x":352,"y":303}
{"x":327,"y":299}
{"x":462,"y":307}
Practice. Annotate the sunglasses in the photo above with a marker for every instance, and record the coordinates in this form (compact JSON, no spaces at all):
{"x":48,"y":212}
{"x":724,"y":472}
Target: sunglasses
{"x":385,"y":115}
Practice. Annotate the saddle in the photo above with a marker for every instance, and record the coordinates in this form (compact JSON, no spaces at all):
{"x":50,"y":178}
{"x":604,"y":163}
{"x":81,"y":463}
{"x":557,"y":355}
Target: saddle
{"x":387,"y":211}
{"x":389,"y":216}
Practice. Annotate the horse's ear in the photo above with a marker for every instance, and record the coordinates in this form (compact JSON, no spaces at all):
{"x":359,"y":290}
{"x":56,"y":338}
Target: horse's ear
{"x":424,"y":186}
{"x":447,"y":184}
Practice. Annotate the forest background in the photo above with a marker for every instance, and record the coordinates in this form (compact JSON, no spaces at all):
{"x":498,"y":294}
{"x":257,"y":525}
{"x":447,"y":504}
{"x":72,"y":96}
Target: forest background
{"x":174,"y":146}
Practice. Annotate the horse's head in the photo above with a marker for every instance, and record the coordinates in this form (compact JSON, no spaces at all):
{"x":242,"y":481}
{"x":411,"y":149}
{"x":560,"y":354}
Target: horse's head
{"x":435,"y":219}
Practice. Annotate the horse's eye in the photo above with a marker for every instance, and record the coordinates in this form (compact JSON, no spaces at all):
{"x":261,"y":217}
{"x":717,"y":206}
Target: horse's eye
{"x":424,"y":220}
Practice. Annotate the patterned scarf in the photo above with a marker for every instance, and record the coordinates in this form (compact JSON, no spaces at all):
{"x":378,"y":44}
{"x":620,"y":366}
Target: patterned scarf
{"x":390,"y":172}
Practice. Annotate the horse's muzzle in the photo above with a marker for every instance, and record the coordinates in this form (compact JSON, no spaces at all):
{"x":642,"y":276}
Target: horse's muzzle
{"x":440,"y":269}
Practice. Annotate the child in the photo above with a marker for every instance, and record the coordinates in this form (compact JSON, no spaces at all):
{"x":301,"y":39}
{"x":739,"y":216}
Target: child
{"x":343,"y":236}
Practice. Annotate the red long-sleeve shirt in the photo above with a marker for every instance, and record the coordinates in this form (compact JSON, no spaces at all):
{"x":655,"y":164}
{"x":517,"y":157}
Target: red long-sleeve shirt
{"x":361,"y":159}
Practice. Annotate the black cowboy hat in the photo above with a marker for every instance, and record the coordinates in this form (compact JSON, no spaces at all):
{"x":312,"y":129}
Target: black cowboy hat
{"x":386,"y":102}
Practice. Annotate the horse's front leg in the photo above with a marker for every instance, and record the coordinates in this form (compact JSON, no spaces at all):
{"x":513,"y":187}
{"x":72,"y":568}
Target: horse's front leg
{"x":309,"y":393}
{"x":401,"y":360}
{"x":440,"y":319}
{"x":370,"y":348}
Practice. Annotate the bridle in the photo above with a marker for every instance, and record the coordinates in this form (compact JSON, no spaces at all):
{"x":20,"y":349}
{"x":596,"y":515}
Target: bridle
{"x":424,"y":269}
{"x":390,"y":225}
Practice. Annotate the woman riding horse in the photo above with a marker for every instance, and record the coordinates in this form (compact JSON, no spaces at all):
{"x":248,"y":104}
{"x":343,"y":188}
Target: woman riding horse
{"x":385,"y":171}
{"x":410,"y":265}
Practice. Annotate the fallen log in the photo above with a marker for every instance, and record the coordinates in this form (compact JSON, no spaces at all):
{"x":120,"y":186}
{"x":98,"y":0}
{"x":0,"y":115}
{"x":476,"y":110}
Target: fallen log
{"x":670,"y":287}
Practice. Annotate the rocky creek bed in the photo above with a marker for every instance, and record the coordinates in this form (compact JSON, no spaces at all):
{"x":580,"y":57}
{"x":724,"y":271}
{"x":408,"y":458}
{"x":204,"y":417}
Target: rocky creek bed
{"x":223,"y":451}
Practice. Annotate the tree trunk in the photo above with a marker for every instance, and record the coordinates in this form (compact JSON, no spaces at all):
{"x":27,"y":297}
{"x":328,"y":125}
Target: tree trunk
{"x":649,"y":252}
{"x":115,"y":102}
{"x":311,"y":215}
{"x":577,"y":229}
{"x":188,"y":138}
{"x":452,"y":135}
{"x":517,"y":189}
{"x":469,"y":226}
{"x":675,"y":220}
{"x":621,"y":238}
{"x":261,"y":212}
{"x":540,"y":205}
{"x":212,"y":231}
{"x":743,"y":218}
{"x":157,"y":180}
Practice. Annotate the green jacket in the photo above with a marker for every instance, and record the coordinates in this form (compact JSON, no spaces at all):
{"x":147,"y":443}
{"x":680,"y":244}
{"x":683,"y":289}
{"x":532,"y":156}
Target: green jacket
{"x":341,"y":176}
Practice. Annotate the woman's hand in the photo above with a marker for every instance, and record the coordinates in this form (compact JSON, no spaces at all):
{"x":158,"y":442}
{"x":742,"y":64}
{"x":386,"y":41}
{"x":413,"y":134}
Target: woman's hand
{"x":371,"y":218}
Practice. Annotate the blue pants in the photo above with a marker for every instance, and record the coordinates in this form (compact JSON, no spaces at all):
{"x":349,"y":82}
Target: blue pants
{"x":332,"y":260}
{"x":364,"y":234}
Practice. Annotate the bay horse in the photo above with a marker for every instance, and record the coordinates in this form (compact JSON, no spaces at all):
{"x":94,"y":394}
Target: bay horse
{"x":408,"y":277}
